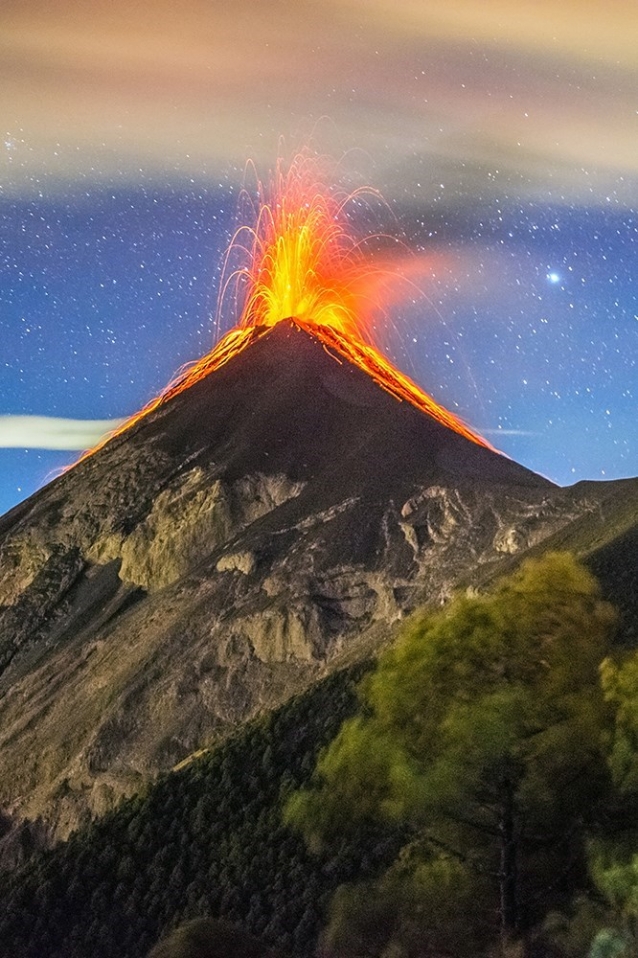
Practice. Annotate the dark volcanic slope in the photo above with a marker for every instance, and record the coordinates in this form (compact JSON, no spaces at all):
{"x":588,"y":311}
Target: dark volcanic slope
{"x":273,"y":519}
{"x":288,"y":405}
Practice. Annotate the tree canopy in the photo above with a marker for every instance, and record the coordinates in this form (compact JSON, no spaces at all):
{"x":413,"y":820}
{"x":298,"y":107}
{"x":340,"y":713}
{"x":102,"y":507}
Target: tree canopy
{"x":483,"y":730}
{"x":210,"y":938}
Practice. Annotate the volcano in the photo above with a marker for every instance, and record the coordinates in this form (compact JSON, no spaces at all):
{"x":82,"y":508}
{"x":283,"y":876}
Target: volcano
{"x":254,"y":531}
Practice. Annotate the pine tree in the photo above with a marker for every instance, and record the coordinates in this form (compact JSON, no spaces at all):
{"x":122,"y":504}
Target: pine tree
{"x":482,"y":731}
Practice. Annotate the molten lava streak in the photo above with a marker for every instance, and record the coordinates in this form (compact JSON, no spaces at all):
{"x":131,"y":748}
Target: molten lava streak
{"x":302,"y":263}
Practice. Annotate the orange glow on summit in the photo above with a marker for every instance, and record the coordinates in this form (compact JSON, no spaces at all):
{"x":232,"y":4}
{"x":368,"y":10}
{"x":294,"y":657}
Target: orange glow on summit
{"x":300,"y":262}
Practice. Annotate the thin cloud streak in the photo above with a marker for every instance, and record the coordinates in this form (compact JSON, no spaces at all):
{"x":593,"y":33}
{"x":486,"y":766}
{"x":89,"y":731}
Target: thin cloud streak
{"x":50,"y":432}
{"x":508,"y":432}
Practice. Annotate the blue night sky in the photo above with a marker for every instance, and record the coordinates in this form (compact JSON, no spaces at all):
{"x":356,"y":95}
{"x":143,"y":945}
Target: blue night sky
{"x":506,"y":146}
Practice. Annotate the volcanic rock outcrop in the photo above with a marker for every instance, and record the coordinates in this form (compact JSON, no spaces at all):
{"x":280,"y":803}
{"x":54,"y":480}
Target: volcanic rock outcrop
{"x":257,"y":530}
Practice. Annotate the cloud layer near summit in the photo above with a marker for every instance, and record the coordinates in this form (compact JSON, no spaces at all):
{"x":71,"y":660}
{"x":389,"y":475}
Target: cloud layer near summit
{"x":539,"y":93}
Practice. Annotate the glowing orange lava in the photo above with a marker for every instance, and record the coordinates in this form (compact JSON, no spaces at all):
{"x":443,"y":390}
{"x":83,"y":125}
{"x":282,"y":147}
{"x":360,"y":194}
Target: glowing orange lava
{"x":300,"y":262}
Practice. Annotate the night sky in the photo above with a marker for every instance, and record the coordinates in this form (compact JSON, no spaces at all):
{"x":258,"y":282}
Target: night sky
{"x":503,"y":135}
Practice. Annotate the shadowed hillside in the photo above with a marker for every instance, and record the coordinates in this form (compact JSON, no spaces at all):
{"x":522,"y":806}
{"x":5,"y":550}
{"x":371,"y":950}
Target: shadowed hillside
{"x":205,"y":840}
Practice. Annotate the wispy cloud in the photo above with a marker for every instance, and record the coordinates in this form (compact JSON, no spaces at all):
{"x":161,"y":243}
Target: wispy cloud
{"x":508,"y":432}
{"x":50,"y":432}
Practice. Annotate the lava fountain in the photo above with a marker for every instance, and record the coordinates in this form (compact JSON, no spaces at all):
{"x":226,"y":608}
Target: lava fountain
{"x":299,"y":261}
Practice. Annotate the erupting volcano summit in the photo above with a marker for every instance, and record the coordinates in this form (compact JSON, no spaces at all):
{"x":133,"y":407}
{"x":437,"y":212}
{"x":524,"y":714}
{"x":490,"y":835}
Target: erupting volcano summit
{"x":299,"y":261}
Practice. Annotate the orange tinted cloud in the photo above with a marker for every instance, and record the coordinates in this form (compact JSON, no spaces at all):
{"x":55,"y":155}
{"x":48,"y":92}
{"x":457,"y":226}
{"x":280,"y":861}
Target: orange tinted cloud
{"x":521,"y":87}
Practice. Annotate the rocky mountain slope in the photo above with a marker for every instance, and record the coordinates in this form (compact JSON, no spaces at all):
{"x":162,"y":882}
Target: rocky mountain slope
{"x":255,"y":532}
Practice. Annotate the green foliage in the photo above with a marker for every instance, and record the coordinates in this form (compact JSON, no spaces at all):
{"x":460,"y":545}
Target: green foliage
{"x":475,"y":728}
{"x":605,"y":924}
{"x":205,"y":841}
{"x":423,"y":904}
{"x":620,"y":686}
{"x":571,"y":932}
{"x":616,"y":877}
{"x":609,"y":944}
{"x":209,"y":938}
{"x":617,"y":880}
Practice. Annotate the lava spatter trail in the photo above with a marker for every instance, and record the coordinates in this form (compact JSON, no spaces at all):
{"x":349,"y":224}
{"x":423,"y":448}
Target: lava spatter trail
{"x":299,"y":261}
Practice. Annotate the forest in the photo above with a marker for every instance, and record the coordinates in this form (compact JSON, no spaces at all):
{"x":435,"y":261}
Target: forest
{"x":473,"y":792}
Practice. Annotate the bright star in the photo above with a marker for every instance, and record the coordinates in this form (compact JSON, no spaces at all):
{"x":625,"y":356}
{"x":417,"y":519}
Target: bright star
{"x":553,"y":277}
